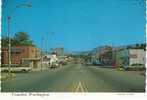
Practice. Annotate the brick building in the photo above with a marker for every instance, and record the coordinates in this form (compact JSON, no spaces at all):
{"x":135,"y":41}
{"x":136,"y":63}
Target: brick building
{"x":18,"y":53}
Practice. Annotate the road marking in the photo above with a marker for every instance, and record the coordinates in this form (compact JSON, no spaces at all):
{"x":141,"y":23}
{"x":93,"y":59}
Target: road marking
{"x":85,"y":88}
{"x":80,"y":87}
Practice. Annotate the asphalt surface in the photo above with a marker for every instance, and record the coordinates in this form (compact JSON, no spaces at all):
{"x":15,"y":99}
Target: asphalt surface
{"x":76,"y":77}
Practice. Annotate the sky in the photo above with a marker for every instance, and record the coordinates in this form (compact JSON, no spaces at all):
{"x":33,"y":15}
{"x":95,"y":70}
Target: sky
{"x":77,"y":25}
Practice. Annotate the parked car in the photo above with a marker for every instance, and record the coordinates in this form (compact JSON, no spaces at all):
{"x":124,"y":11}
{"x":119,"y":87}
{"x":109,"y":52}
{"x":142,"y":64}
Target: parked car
{"x":87,"y":63}
{"x":15,"y":68}
{"x":97,"y":63}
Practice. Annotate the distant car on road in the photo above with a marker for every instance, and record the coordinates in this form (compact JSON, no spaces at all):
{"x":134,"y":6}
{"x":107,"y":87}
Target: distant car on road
{"x":54,"y":65}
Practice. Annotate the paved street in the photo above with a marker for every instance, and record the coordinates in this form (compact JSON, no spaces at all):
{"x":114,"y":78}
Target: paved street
{"x":75,"y":77}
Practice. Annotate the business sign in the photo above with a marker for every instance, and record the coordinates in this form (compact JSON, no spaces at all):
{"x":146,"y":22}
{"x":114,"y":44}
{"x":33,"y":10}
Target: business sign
{"x":57,"y":49}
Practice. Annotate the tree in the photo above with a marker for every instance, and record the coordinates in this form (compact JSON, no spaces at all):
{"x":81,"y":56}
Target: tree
{"x":22,"y":38}
{"x":19,"y":39}
{"x":143,"y":46}
{"x":137,"y":46}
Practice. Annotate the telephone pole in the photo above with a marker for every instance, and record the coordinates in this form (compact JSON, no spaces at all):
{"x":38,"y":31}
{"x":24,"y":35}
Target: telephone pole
{"x":9,"y":33}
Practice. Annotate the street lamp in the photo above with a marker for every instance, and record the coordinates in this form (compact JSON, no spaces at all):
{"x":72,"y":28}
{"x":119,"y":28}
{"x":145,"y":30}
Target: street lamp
{"x":8,"y":22}
{"x":44,"y":47}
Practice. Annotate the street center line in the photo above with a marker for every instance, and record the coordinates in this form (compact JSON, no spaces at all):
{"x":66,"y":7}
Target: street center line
{"x":85,"y":88}
{"x":79,"y":87}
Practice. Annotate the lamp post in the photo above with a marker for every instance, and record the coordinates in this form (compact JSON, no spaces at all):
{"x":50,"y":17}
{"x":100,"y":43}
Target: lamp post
{"x":9,"y":36}
{"x":44,"y":43}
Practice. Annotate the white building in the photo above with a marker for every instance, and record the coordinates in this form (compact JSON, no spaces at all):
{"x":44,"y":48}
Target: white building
{"x":136,"y":56}
{"x":131,"y":57}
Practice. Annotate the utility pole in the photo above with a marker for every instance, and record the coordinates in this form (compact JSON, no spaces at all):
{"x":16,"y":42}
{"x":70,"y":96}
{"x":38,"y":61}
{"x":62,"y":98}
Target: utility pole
{"x":42,"y":39}
{"x":9,"y":34}
{"x":47,"y":42}
{"x":44,"y":45}
{"x":9,"y":44}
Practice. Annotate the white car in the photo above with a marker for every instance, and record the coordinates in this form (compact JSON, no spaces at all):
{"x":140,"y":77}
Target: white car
{"x":16,"y":69}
